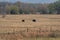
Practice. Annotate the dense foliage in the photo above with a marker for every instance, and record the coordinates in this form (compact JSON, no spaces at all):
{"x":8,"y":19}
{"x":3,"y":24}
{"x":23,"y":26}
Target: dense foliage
{"x":26,"y":8}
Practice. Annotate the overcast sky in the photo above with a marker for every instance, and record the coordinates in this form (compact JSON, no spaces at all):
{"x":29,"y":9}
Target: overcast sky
{"x":31,"y":1}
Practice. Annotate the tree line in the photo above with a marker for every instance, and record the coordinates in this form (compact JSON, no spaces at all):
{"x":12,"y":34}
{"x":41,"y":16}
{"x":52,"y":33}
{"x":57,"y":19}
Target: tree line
{"x":25,"y":8}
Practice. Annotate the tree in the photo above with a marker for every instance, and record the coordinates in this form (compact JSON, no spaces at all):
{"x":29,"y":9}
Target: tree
{"x":12,"y":9}
{"x":57,"y":6}
{"x":21,"y":11}
{"x":43,"y":9}
{"x":54,"y":7}
{"x":26,"y":12}
{"x":51,"y":8}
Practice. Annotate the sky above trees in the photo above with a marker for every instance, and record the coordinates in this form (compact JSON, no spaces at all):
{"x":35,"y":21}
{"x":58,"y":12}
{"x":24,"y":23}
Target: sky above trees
{"x":30,"y":1}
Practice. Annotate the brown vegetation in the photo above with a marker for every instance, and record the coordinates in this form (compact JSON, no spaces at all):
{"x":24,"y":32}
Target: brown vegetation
{"x":12,"y":27}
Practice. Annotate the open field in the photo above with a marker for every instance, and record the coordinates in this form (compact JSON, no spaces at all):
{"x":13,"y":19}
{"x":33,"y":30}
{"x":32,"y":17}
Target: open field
{"x":12,"y":27}
{"x":43,"y":39}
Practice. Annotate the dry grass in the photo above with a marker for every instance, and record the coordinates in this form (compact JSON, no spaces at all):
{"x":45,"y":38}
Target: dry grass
{"x":13,"y":23}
